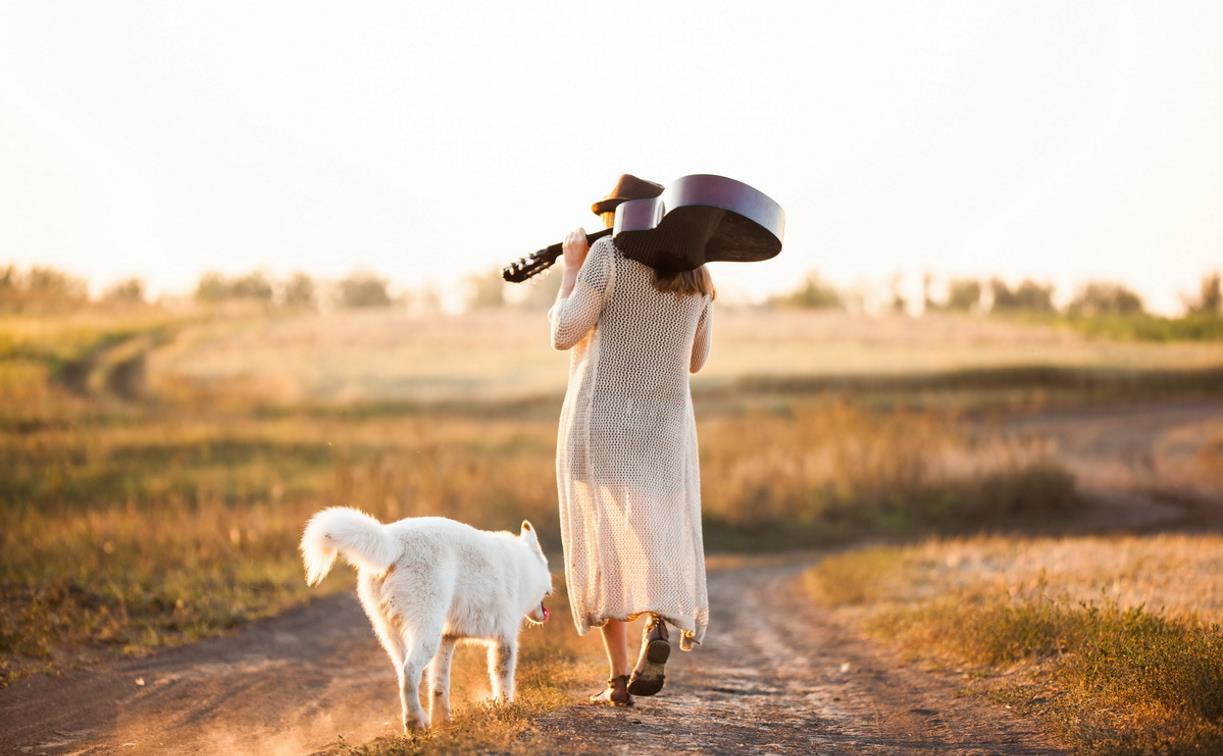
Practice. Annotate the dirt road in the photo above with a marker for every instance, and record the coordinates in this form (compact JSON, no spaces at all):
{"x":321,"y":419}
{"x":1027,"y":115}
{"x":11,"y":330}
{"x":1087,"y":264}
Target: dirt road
{"x":285,"y":685}
{"x":775,"y":675}
{"x":780,"y":676}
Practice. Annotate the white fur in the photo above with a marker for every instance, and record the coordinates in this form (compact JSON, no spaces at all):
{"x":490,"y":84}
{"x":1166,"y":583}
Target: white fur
{"x":428,"y":582}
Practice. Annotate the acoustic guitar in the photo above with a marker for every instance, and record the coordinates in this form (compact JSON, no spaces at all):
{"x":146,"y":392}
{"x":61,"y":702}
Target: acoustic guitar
{"x":698,"y":219}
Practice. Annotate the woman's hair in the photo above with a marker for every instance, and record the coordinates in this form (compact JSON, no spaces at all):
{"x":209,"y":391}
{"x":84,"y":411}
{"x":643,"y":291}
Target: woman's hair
{"x":696,"y":281}
{"x":689,"y":282}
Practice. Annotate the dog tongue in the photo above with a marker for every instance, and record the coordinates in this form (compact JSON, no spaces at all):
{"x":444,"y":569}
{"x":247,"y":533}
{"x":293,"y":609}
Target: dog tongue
{"x":546,"y":613}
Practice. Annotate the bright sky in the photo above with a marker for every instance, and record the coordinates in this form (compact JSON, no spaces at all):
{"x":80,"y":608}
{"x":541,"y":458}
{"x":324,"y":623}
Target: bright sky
{"x":1061,"y":140}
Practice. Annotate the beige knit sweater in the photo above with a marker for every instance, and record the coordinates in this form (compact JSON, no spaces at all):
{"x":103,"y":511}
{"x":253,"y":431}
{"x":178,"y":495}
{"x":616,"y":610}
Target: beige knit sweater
{"x":627,"y":470}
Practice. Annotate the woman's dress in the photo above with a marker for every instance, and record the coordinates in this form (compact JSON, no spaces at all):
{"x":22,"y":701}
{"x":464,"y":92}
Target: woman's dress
{"x":627,"y":469}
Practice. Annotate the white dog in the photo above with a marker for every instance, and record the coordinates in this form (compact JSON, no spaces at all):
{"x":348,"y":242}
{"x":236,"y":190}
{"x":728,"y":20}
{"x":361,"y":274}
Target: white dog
{"x":428,"y":582}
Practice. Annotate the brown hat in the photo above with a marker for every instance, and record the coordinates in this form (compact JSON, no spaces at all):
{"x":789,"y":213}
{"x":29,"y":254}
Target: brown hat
{"x":628,"y":187}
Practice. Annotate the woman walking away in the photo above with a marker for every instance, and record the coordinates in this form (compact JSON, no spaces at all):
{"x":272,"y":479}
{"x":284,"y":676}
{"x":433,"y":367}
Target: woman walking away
{"x":626,"y":459}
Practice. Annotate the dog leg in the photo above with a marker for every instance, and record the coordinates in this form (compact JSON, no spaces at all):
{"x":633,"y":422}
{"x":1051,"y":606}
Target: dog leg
{"x":439,"y":683}
{"x":368,"y":590}
{"x":502,"y":658}
{"x":393,"y":643}
{"x":419,"y":648}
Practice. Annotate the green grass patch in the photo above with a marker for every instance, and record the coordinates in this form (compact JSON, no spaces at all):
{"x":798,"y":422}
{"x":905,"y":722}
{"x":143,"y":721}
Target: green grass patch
{"x":1136,"y":327}
{"x":1079,"y":382}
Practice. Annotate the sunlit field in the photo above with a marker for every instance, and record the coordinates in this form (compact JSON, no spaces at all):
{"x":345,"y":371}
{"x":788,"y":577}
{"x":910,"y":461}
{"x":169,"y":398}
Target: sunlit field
{"x":1115,"y":642}
{"x":156,"y":466}
{"x":494,"y":354}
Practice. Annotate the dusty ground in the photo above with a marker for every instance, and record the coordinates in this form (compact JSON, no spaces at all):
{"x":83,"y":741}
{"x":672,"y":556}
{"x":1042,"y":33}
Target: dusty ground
{"x":285,"y":685}
{"x":776,"y":675}
{"x":781,"y":676}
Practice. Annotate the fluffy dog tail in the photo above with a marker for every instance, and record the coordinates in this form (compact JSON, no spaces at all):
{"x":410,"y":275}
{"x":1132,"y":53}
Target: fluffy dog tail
{"x":362,"y":540}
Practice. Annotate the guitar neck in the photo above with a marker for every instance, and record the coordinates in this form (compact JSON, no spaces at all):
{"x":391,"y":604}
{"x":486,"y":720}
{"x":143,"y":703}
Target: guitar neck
{"x":554,"y":250}
{"x":542,"y":259}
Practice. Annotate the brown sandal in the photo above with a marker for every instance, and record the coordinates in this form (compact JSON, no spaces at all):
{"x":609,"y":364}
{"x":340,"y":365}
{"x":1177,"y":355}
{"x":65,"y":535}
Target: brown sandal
{"x":655,"y":649}
{"x":615,"y":694}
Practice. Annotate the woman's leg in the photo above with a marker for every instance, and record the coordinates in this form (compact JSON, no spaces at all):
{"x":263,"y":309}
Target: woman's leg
{"x":615,"y":642}
{"x":648,"y":674}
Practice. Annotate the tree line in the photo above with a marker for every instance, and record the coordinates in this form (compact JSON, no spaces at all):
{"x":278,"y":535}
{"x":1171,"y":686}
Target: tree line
{"x":46,"y":289}
{"x":993,"y":295}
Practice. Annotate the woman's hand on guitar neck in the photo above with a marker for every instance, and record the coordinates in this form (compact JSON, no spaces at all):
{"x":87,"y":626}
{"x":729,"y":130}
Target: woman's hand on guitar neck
{"x":574,"y":248}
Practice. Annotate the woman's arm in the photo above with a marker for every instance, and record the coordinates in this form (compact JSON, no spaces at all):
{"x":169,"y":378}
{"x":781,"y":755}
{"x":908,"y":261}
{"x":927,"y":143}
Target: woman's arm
{"x":584,"y":290}
{"x":703,"y":341}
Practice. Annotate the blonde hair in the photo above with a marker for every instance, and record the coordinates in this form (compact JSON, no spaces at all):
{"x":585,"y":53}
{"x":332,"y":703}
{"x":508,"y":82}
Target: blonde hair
{"x":696,"y":281}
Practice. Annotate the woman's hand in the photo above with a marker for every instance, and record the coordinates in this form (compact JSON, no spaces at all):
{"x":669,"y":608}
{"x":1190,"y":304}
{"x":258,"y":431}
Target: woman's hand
{"x":575,"y":248}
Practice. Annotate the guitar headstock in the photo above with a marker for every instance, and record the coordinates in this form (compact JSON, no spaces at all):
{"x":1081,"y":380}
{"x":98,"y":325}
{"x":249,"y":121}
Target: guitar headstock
{"x":533,"y":264}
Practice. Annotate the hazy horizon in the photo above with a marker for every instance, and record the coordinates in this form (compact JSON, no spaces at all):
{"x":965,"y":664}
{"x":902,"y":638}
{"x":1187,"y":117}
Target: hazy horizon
{"x":1045,"y":140}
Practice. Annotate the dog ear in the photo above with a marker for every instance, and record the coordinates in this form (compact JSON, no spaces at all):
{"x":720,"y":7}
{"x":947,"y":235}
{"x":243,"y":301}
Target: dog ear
{"x":526,"y":528}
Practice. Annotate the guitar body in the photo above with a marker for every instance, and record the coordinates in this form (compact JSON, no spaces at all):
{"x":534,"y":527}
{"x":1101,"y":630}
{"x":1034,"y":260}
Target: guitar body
{"x":698,"y":219}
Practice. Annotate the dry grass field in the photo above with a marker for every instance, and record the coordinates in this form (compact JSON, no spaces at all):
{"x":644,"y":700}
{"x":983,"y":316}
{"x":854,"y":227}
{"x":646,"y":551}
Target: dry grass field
{"x":156,"y":467}
{"x":1114,"y":642}
{"x":486,"y":355}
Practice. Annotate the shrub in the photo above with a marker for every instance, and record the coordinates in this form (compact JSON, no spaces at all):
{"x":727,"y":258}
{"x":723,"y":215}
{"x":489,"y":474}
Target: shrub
{"x":1102,"y":298}
{"x":360,"y":290}
{"x":812,"y":294}
{"x":127,"y":292}
{"x":963,"y":294}
{"x":252,"y":287}
{"x":211,"y":288}
{"x":1210,"y":298}
{"x":40,"y":289}
{"x":299,"y":292}
{"x":1028,"y":296}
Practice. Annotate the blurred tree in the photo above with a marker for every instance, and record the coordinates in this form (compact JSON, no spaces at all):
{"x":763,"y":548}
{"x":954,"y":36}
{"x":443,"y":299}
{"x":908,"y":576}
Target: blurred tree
{"x":10,"y":288}
{"x":813,"y":294}
{"x":896,"y":298}
{"x":1210,"y":297}
{"x":299,"y":292}
{"x":127,"y":292}
{"x":1105,"y":298}
{"x":486,"y":290}
{"x":1029,"y":296}
{"x":50,"y":289}
{"x":253,"y":286}
{"x":363,"y":289}
{"x":963,"y":294}
{"x":211,"y":288}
